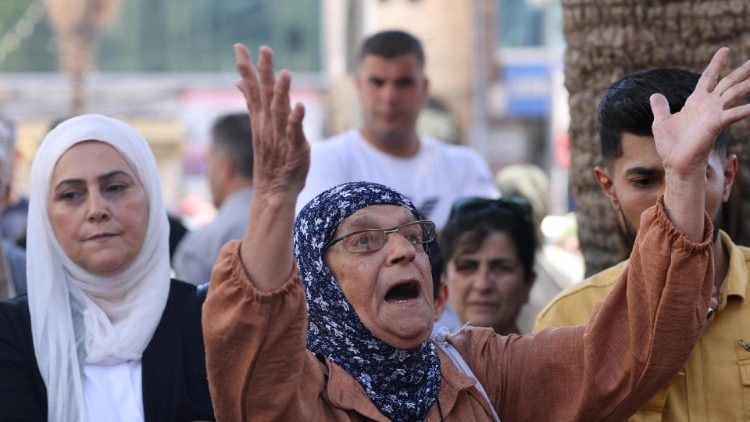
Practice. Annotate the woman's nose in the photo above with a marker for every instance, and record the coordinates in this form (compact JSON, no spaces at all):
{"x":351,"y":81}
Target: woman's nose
{"x":399,"y":249}
{"x":97,"y":211}
{"x":482,"y":279}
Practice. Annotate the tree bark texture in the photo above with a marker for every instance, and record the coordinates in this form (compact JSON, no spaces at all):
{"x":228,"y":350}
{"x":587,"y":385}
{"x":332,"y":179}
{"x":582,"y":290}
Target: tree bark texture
{"x":77,"y":25}
{"x":607,"y":39}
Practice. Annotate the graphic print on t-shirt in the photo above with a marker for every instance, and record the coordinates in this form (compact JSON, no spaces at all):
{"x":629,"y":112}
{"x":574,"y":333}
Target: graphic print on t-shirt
{"x":428,"y":206}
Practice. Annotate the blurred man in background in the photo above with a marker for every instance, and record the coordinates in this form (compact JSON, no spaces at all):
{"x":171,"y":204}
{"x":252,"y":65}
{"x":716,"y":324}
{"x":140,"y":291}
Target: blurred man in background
{"x":229,"y":170}
{"x":386,"y":148}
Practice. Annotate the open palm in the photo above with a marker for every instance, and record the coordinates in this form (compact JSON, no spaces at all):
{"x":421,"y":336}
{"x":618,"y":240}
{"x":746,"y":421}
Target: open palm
{"x":684,"y":139}
{"x":281,"y":154}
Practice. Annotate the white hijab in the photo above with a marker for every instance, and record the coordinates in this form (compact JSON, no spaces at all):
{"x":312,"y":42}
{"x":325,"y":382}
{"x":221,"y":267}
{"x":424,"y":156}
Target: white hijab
{"x":78,"y":318}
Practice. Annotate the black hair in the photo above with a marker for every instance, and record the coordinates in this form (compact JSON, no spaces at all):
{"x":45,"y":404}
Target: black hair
{"x":437,"y":263}
{"x":390,"y":44}
{"x":231,"y":134}
{"x":625,"y":106}
{"x":473,"y":226}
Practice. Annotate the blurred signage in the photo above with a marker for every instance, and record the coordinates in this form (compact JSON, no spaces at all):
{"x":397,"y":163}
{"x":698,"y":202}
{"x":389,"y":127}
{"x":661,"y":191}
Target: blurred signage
{"x":527,"y":89}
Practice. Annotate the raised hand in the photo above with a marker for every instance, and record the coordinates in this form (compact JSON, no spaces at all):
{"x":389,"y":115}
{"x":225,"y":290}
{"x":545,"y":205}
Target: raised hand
{"x":684,"y":139}
{"x":281,"y":154}
{"x":281,"y":159}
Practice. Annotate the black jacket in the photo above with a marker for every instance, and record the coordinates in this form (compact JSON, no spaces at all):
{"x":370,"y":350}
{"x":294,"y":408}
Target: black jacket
{"x":175,"y":385}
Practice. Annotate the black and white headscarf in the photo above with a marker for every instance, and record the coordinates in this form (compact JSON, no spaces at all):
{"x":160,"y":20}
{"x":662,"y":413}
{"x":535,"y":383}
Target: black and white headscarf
{"x":403,"y":384}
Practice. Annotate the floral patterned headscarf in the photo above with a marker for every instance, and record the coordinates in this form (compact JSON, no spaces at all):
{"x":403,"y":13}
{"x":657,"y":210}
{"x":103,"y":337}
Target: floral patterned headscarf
{"x":403,"y":384}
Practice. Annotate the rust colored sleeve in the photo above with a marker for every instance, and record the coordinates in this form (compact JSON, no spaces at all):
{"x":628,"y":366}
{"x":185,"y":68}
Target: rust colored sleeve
{"x":257,"y":362}
{"x":640,"y":336}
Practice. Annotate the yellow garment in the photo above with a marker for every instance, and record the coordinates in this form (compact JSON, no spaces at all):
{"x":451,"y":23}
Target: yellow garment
{"x":715,"y":383}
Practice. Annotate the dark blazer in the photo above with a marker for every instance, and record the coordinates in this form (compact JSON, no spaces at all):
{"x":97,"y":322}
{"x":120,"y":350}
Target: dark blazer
{"x":175,"y":385}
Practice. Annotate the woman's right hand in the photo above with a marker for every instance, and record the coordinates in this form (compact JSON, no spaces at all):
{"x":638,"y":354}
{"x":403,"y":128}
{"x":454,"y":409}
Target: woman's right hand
{"x":281,"y":154}
{"x":281,"y":159}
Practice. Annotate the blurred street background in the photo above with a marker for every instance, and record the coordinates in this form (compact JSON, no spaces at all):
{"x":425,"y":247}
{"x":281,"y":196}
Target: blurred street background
{"x":498,"y":80}
{"x":167,"y":67}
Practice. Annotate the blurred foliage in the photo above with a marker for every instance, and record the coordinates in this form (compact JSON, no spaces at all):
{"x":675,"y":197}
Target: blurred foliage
{"x":35,"y":52}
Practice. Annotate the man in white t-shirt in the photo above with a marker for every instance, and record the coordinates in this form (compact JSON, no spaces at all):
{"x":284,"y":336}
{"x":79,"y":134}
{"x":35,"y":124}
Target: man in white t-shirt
{"x":386,"y":149}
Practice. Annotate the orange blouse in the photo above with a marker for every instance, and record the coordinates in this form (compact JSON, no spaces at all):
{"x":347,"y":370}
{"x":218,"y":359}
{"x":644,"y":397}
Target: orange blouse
{"x":259,"y":368}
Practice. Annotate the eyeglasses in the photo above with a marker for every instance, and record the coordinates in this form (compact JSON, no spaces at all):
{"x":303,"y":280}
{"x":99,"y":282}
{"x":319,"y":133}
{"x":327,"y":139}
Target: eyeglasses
{"x":371,"y":240}
{"x":475,"y":203}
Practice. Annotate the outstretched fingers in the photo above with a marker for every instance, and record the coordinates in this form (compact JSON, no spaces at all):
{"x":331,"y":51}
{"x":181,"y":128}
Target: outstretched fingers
{"x":267,"y":78}
{"x":660,"y":108}
{"x":294,"y":126}
{"x":280,"y":107}
{"x":248,"y":83}
{"x":740,"y":86}
{"x":735,"y":114}
{"x":733,"y":88}
{"x":732,"y":79}
{"x":734,"y":94}
{"x":710,"y":77}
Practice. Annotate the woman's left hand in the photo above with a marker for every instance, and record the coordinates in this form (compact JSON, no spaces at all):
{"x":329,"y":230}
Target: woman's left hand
{"x":281,"y":154}
{"x":281,"y":159}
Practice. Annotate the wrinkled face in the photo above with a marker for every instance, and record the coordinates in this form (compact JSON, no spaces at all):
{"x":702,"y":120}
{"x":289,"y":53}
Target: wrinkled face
{"x":634,"y":181}
{"x":392,"y":93}
{"x":487,"y":286}
{"x":98,"y":208}
{"x":391,"y":288}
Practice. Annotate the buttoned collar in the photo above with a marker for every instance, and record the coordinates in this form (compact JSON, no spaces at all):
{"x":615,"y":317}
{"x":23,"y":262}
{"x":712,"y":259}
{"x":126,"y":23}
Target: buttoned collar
{"x":735,"y":282}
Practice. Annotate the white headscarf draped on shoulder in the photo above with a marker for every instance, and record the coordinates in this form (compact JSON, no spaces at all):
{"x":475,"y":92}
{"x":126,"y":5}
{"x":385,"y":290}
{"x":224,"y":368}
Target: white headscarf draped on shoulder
{"x":77,"y":317}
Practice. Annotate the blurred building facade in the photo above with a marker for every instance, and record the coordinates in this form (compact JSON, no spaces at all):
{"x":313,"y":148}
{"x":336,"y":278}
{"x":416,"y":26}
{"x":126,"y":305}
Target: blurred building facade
{"x":167,"y":67}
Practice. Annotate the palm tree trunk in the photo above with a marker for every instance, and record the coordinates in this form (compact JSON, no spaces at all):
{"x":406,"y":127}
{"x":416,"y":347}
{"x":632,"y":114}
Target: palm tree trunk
{"x":607,"y":39}
{"x":77,"y":24}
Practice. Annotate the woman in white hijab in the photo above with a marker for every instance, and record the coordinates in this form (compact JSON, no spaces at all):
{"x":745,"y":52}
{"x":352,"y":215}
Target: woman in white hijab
{"x":103,"y":334}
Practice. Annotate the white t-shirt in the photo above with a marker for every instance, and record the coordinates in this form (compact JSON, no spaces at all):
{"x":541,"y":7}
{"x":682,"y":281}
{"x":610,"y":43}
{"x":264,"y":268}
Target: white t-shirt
{"x":432,"y":179}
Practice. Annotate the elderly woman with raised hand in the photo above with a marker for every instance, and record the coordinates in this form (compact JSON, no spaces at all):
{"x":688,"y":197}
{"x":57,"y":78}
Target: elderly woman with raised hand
{"x":103,"y":334}
{"x":344,"y":334}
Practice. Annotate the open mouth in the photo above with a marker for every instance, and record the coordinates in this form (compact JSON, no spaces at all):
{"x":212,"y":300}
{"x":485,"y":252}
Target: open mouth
{"x":404,"y":291}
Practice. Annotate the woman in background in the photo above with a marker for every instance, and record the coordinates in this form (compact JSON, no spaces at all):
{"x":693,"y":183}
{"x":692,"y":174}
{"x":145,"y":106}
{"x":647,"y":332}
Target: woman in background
{"x":488,"y":246}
